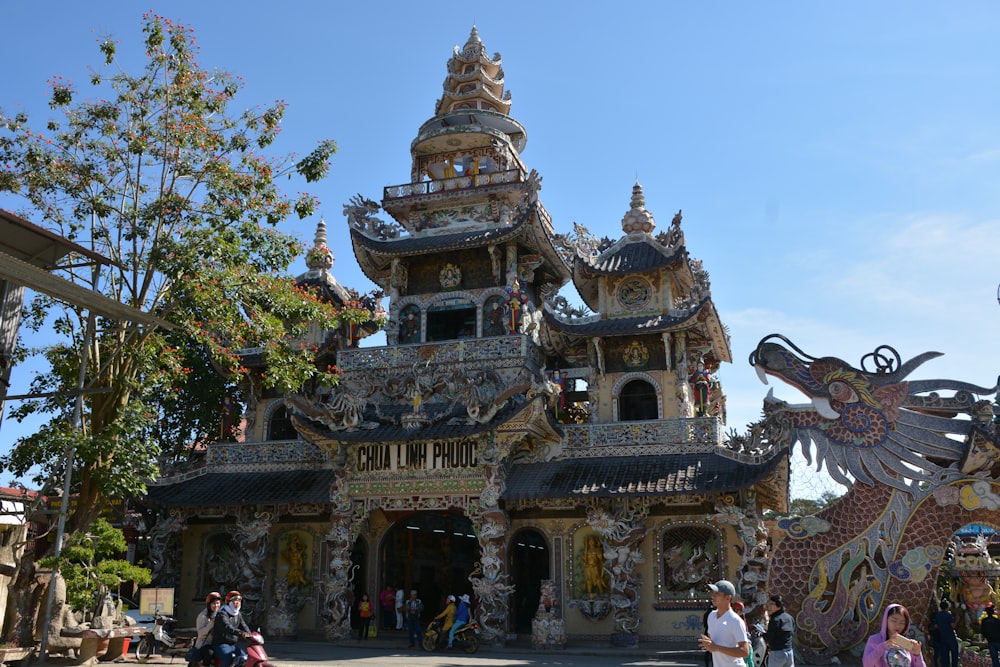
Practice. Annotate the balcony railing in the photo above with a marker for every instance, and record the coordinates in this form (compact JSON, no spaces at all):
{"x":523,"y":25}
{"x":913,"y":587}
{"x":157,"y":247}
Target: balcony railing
{"x":660,"y":436}
{"x":495,"y":350}
{"x":454,"y":183}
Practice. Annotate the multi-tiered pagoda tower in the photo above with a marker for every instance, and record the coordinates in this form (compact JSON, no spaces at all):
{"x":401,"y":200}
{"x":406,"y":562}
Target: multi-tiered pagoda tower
{"x":570,"y":473}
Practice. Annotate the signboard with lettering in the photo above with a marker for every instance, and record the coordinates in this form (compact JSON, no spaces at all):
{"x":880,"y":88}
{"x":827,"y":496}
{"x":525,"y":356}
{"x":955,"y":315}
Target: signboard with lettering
{"x":415,"y":456}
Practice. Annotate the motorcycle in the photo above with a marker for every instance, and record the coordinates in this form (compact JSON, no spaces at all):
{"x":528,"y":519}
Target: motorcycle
{"x":161,"y":639}
{"x":466,"y":637}
{"x":256,"y":655}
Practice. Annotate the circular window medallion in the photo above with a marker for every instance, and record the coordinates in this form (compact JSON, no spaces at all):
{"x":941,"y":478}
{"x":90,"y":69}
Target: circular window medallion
{"x":634,"y":294}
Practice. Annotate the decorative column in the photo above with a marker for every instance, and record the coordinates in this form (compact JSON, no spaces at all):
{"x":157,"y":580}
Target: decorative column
{"x":623,"y":528}
{"x":489,"y":581}
{"x":336,"y":585}
{"x":685,"y":408}
{"x":253,"y":534}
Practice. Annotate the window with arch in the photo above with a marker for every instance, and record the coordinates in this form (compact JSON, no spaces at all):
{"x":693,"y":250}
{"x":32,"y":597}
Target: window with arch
{"x":691,"y":560}
{"x":279,"y":426}
{"x":451,"y":320}
{"x":638,"y":401}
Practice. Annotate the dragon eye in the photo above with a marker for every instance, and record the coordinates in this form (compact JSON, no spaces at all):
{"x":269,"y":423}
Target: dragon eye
{"x":843,"y":392}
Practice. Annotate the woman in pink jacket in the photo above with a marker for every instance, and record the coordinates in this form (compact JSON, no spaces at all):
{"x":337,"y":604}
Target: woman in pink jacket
{"x":891,"y":647}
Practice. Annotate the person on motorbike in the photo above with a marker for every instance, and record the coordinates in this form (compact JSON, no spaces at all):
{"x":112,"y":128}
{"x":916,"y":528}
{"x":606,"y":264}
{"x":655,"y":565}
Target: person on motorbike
{"x":204,"y":625}
{"x":229,"y":628}
{"x":447,"y":618}
{"x":462,"y":615}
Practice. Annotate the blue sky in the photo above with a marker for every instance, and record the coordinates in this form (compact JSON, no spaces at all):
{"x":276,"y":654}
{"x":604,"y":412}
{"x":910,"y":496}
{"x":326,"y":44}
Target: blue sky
{"x":838,"y":164}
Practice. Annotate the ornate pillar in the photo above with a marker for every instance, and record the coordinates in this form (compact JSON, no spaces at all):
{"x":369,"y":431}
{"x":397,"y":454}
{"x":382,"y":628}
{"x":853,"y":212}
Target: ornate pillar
{"x":492,"y":526}
{"x":253,"y":533}
{"x":623,"y":528}
{"x":685,"y":408}
{"x":336,"y":585}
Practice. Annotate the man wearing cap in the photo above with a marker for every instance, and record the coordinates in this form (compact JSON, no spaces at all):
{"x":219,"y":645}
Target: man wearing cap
{"x":412,"y":610}
{"x":462,"y":615}
{"x":727,"y":638}
{"x":990,"y":627}
{"x":778,"y":635}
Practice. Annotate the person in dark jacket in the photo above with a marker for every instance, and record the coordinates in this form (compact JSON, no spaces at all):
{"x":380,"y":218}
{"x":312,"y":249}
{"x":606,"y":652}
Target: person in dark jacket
{"x":778,"y":635}
{"x":990,"y":627}
{"x":230,"y":628}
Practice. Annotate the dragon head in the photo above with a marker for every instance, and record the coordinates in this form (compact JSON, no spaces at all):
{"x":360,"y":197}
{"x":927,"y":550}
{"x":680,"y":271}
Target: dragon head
{"x":865,"y":422}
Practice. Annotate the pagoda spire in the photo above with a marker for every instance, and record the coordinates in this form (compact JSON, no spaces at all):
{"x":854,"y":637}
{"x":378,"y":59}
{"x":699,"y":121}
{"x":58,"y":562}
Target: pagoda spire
{"x":638,"y":219}
{"x":475,"y":80}
{"x":320,"y":257}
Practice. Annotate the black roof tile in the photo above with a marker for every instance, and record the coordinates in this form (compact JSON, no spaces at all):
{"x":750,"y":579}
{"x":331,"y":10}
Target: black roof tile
{"x":245,"y":488}
{"x":627,"y":476}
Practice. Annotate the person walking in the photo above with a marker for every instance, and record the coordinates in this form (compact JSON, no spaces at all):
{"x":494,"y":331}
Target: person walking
{"x":779,"y":633}
{"x":399,"y":608}
{"x":944,"y":622}
{"x":727,"y":638}
{"x":990,"y":629}
{"x":365,"y":614}
{"x":413,"y":608}
{"x":387,"y":602}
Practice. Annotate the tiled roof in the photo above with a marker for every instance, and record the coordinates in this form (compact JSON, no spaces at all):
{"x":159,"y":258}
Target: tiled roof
{"x":624,"y":326}
{"x":630,"y":476}
{"x":419,"y":245}
{"x":632,"y":257}
{"x":245,"y":488}
{"x":440,"y":429}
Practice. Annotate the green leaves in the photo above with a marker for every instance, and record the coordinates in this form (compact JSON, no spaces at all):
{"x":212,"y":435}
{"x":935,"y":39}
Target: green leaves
{"x":90,"y":565}
{"x":156,"y":171}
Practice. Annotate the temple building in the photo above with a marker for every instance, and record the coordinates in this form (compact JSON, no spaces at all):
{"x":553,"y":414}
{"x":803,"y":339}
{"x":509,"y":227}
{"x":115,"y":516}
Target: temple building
{"x":570,"y":472}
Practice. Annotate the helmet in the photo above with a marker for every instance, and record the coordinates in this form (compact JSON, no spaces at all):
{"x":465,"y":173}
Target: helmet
{"x":451,"y":598}
{"x":213,"y":596}
{"x":231,"y":595}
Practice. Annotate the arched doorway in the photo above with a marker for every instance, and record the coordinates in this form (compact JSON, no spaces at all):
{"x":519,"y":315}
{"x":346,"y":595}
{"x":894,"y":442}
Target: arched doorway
{"x":432,"y":552}
{"x":529,"y":565}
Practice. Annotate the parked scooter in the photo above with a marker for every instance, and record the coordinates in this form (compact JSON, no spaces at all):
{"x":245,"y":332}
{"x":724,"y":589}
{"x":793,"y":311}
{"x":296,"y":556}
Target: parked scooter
{"x":162,"y":640}
{"x":466,"y":637}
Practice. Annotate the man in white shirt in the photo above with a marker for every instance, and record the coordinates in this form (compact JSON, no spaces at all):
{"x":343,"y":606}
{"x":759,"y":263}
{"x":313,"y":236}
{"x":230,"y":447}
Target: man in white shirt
{"x":727,"y":638}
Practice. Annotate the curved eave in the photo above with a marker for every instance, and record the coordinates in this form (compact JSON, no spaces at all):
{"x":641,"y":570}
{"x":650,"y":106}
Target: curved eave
{"x":330,"y":290}
{"x":441,"y":429}
{"x":637,"y":476}
{"x":631,"y":326}
{"x":635,"y":257}
{"x":375,"y":255}
{"x":713,"y":328}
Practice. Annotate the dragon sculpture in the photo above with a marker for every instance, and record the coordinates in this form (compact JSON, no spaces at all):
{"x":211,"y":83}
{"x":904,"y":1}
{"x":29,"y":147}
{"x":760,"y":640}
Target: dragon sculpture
{"x":919,"y":466}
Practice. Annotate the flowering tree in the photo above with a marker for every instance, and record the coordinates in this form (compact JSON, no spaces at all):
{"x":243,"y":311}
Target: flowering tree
{"x":182,"y":196}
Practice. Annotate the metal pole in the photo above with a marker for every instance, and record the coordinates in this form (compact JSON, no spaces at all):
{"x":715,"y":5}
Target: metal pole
{"x":68,"y":478}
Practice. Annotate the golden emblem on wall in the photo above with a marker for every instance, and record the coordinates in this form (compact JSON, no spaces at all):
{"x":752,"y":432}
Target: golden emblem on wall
{"x":635,"y":355}
{"x":450,"y":276}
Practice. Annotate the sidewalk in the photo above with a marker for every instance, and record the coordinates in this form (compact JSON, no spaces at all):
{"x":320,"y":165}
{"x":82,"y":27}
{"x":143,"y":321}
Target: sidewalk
{"x":397,"y":641}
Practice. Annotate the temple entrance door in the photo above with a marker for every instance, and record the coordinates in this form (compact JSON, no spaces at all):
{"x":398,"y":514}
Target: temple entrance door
{"x":432,"y":552}
{"x":529,"y":560}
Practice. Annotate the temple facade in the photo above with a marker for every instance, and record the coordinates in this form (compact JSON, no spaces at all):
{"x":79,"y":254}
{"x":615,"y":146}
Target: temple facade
{"x":569,"y":471}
